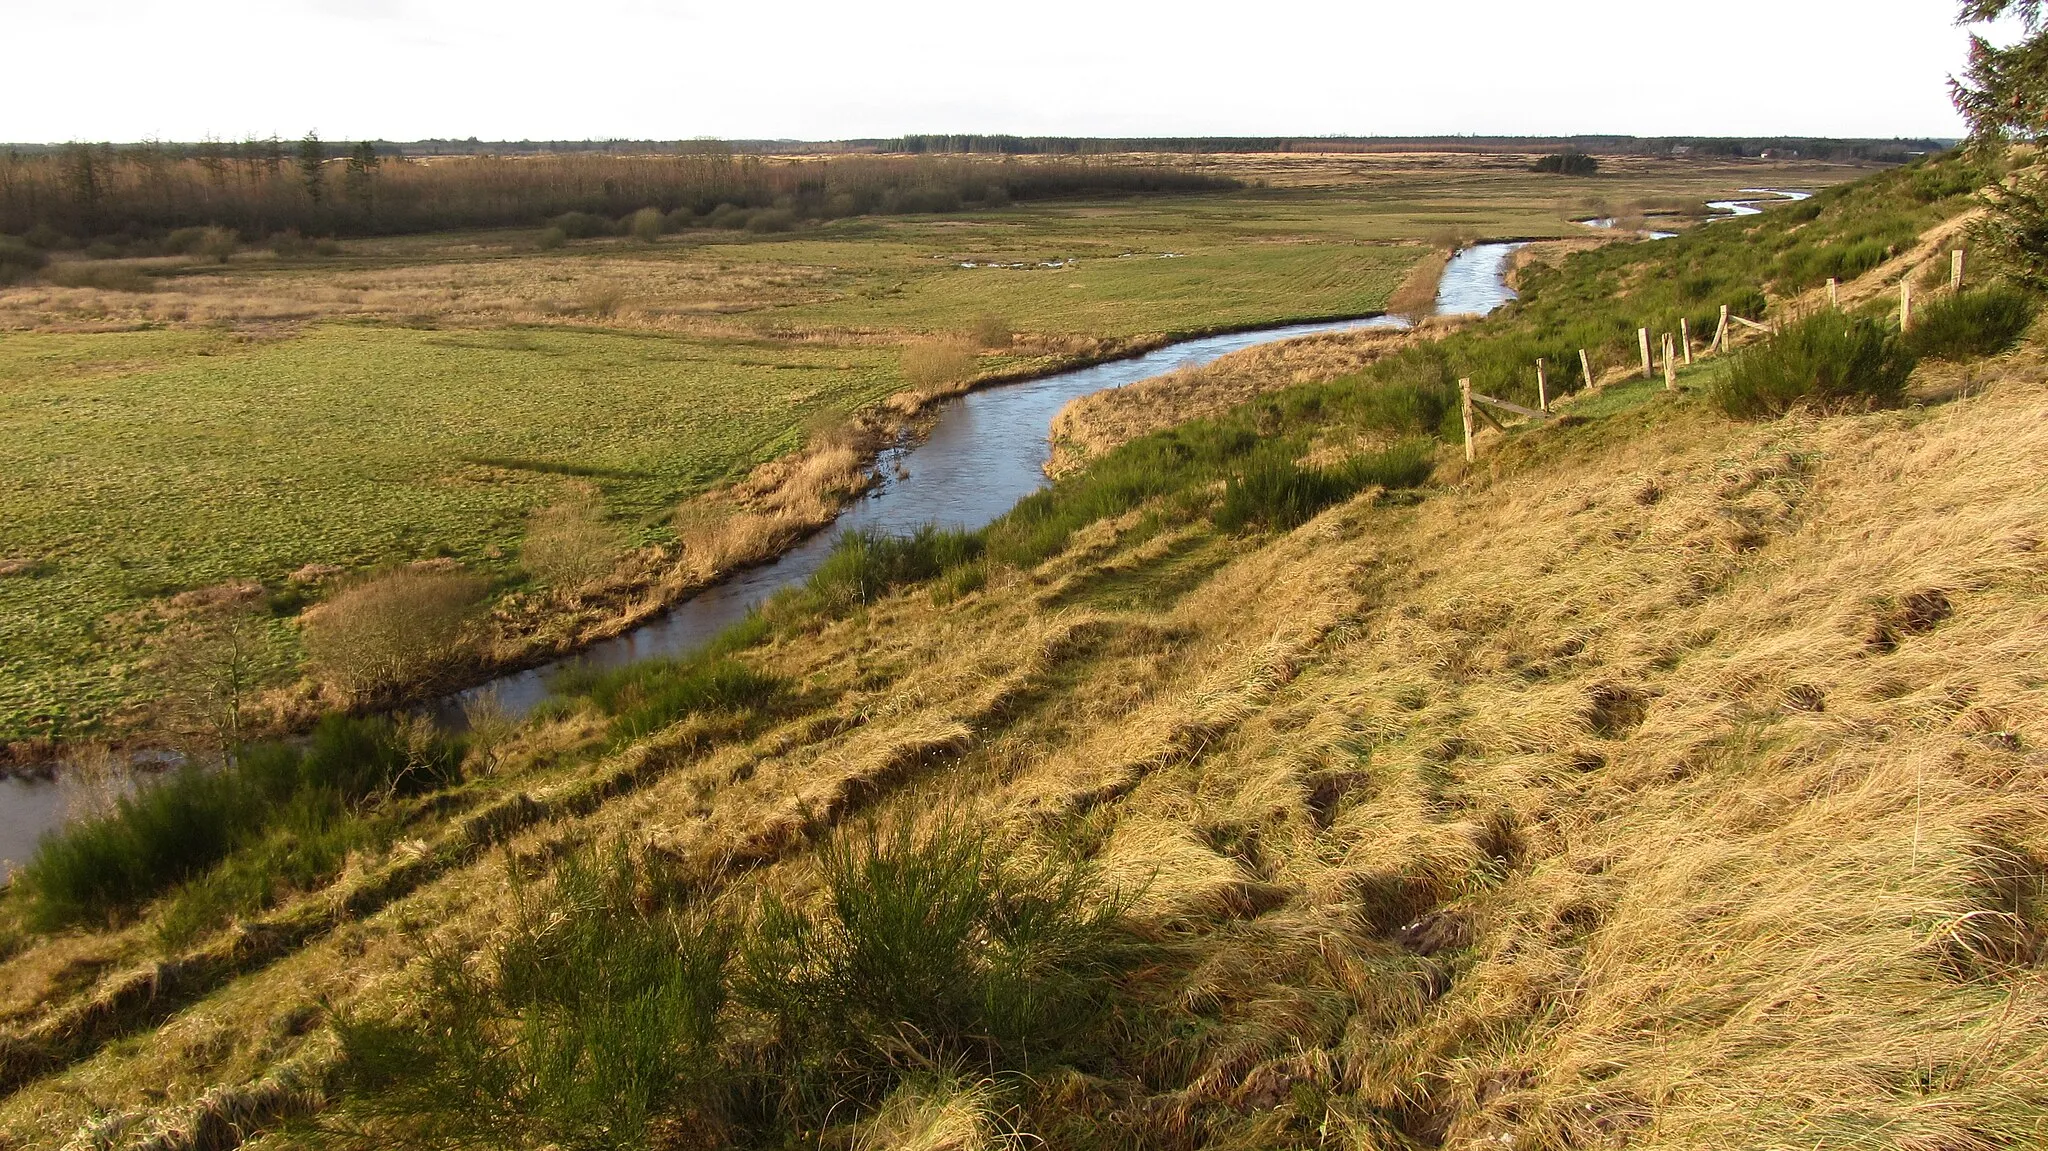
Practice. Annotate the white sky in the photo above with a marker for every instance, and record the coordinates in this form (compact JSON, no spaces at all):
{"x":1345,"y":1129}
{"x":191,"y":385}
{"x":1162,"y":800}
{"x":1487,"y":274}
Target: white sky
{"x":823,"y":69}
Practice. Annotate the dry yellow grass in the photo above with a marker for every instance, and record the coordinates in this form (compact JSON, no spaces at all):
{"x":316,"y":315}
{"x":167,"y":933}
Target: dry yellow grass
{"x":1659,"y":782}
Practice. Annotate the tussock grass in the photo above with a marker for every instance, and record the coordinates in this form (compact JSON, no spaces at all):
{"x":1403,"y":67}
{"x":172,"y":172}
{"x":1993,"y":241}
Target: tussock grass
{"x":612,"y":1016}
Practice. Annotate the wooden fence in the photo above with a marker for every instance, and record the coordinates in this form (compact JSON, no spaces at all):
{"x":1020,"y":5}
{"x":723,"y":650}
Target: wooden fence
{"x":1676,"y":348}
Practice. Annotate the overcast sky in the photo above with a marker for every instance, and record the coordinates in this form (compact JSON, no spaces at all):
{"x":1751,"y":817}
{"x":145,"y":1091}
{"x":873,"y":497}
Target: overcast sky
{"x":821,"y":69}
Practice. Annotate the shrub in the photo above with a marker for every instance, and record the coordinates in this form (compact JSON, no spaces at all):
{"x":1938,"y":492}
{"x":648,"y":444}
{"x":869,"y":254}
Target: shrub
{"x":104,"y":277}
{"x":1829,"y":361}
{"x":582,"y":225}
{"x":729,"y":216}
{"x":19,"y":260}
{"x":992,"y":331}
{"x":938,"y":364}
{"x":771,"y":220}
{"x":1567,"y":164}
{"x":645,"y":225}
{"x":301,"y":806}
{"x":550,"y":238}
{"x":393,"y":630}
{"x":571,"y":544}
{"x":166,"y":832}
{"x":1980,"y":322}
{"x":290,"y":243}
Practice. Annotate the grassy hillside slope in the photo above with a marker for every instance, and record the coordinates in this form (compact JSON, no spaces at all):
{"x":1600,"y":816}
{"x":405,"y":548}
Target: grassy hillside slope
{"x":1660,"y":781}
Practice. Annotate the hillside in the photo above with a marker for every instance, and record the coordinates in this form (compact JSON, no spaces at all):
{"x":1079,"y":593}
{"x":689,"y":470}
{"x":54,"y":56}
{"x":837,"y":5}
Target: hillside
{"x":1660,"y":780}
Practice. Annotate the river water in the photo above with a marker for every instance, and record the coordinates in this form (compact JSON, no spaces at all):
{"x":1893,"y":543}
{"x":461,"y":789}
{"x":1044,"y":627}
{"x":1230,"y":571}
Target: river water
{"x":987,"y":450}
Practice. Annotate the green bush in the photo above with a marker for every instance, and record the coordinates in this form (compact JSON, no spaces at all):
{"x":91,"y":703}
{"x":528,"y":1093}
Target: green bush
{"x":650,"y":695}
{"x":166,"y":832}
{"x":1273,"y":491}
{"x":1567,"y":164}
{"x":1980,"y":322}
{"x":550,"y":238}
{"x":172,"y":830}
{"x":771,"y":220}
{"x":1828,"y":361}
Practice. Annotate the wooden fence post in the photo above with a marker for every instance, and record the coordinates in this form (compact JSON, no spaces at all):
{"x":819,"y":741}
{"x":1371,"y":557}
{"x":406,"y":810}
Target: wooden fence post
{"x":1542,"y":387}
{"x":1685,"y":340}
{"x":1721,"y":333}
{"x":1905,"y":305}
{"x":1670,"y":367}
{"x":1834,"y":293}
{"x":1586,"y":368}
{"x":1955,"y":270}
{"x":1643,"y":338}
{"x":1465,"y":403}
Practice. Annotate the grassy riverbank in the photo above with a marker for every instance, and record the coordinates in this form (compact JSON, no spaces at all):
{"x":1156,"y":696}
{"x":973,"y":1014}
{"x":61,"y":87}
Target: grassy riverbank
{"x":1275,"y":780}
{"x":183,"y":428}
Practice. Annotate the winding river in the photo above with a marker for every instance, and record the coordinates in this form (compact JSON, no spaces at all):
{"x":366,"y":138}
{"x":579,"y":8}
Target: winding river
{"x":987,"y":450}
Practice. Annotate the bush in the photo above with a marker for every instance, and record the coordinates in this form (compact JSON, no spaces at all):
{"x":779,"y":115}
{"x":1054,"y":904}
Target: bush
{"x":550,"y":238}
{"x":992,"y":331}
{"x":569,"y":545}
{"x":771,"y":220}
{"x":171,"y":830}
{"x":938,"y":364}
{"x":164,"y":833}
{"x":645,"y":225}
{"x":1567,"y":164}
{"x":1273,"y":491}
{"x":398,"y":629}
{"x":1829,"y":361}
{"x":582,"y":225}
{"x":1980,"y":322}
{"x":104,"y":277}
{"x":212,"y":243}
{"x":19,"y":260}
{"x":650,"y":695}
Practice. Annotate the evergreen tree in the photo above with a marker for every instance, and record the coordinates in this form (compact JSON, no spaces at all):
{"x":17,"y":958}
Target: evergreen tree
{"x":2004,"y":96}
{"x":312,"y":154}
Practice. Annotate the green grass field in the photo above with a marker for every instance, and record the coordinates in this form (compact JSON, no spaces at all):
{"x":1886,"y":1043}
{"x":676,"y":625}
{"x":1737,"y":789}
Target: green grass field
{"x":419,"y":396}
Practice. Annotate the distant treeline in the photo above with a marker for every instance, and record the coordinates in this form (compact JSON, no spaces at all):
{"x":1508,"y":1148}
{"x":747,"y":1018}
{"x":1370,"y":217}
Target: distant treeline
{"x":265,"y":187}
{"x":1897,"y":150}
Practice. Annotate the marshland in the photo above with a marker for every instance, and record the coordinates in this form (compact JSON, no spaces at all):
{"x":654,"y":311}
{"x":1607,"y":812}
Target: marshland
{"x":710,"y":646}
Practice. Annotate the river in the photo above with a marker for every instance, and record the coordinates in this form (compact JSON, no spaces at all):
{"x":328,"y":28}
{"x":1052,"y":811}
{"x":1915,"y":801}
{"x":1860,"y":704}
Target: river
{"x":987,"y":450}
